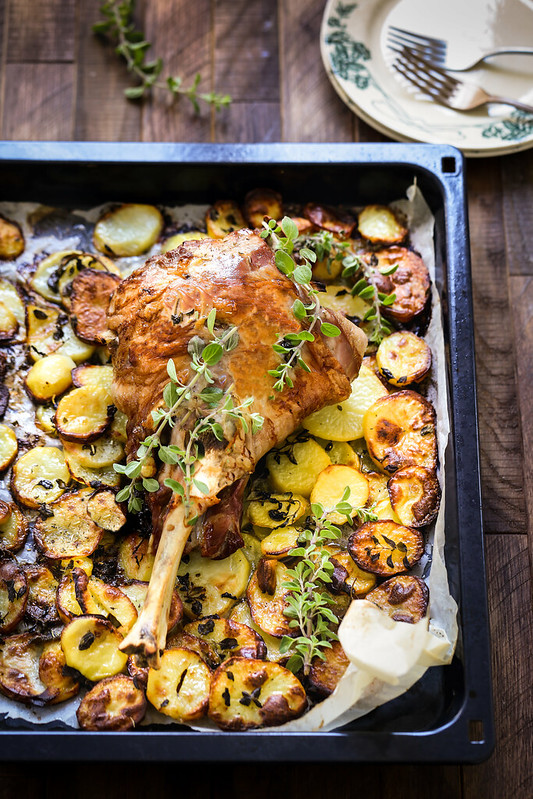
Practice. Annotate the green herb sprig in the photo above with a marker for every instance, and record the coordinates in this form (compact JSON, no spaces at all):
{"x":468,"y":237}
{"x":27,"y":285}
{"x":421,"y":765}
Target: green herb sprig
{"x":132,"y":47}
{"x":365,"y":288}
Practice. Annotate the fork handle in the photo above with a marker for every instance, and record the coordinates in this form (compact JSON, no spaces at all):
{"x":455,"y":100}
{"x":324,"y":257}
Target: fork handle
{"x":509,"y":101}
{"x":509,"y":51}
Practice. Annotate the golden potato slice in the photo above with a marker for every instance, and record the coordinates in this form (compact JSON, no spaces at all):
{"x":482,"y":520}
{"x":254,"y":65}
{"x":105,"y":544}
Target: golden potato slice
{"x":386,"y":548}
{"x":95,"y":597}
{"x":8,"y":324}
{"x":330,"y":486}
{"x":399,"y":431}
{"x":11,"y":239}
{"x":50,"y":376}
{"x":403,"y":358}
{"x":280,"y":542}
{"x":91,"y":646}
{"x":180,"y":687}
{"x":305,"y":226}
{"x":324,"y":675}
{"x":379,"y":223}
{"x":69,"y":564}
{"x":339,"y":298}
{"x":259,"y":203}
{"x":13,"y":593}
{"x":105,"y":511}
{"x":69,"y":532}
{"x":67,"y":603}
{"x":379,"y":499}
{"x":74,"y":267}
{"x":8,"y":446}
{"x":89,"y":375}
{"x":330,"y":267}
{"x":11,"y":301}
{"x":277,"y":510}
{"x":415,"y":495}
{"x":175,"y":241}
{"x":295,"y":465}
{"x":49,"y":331}
{"x":344,"y":421}
{"x":404,"y":598}
{"x":410,"y":282}
{"x":246,"y":694}
{"x":222,"y":218}
{"x":130,"y":229}
{"x":267,"y":598}
{"x":91,"y":293}
{"x":349,"y":577}
{"x":136,"y":592}
{"x":5,"y":511}
{"x":45,"y":279}
{"x":134,"y":557}
{"x":251,"y":548}
{"x":42,"y":592}
{"x":84,"y":413}
{"x":39,"y":476}
{"x":330,"y":219}
{"x":241,"y":613}
{"x":207,"y":587}
{"x":115,"y":704}
{"x":119,"y":427}
{"x":341,"y":452}
{"x":100,"y":453}
{"x":228,"y":638}
{"x":19,"y":668}
{"x":44,"y":418}
{"x":106,"y":477}
{"x":60,"y":686}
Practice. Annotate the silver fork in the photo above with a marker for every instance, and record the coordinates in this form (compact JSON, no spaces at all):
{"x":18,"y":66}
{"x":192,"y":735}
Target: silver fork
{"x":445,"y":89}
{"x":436,"y":50}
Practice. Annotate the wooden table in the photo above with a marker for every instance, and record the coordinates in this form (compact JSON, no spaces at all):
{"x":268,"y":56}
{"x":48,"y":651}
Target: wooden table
{"x":60,"y":82}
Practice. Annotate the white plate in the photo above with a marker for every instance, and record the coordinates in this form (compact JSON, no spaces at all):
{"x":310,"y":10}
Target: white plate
{"x":354,"y":52}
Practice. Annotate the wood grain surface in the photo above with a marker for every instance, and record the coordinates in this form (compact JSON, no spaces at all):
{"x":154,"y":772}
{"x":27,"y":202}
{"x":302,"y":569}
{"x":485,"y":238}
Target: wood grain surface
{"x":58,"y":81}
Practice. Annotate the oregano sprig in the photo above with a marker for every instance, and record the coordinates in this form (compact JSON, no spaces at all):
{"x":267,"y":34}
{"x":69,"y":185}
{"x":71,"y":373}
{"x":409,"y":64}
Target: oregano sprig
{"x":365,"y":288}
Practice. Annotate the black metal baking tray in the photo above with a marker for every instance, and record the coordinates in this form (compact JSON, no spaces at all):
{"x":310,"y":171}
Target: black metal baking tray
{"x":447,"y":715}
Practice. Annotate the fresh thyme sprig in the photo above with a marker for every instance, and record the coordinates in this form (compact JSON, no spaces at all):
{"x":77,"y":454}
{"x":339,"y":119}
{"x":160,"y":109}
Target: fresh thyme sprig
{"x":308,"y":605}
{"x":199,"y":397}
{"x":282,"y":238}
{"x":365,"y":288}
{"x":132,"y":46}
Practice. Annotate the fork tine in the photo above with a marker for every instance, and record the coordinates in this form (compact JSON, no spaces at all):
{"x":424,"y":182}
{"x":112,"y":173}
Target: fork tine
{"x":414,"y":78}
{"x":428,"y":79}
{"x":394,"y":40}
{"x":438,"y":76}
{"x":419,"y":40}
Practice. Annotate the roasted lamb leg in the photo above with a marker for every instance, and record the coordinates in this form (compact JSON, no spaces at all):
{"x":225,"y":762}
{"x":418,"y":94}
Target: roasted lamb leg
{"x":153,"y":316}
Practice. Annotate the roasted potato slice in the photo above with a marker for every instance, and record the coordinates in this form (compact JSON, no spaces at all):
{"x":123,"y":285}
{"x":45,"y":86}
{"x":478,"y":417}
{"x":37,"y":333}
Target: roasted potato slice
{"x":404,"y":598}
{"x":101,"y":453}
{"x":68,"y":532}
{"x":344,"y":421}
{"x":50,"y":272}
{"x":329,"y":267}
{"x":11,"y":301}
{"x":11,"y":239}
{"x":296,"y":464}
{"x":89,"y":301}
{"x":410,"y":282}
{"x":386,"y":548}
{"x":89,"y":375}
{"x":130,"y":229}
{"x":349,"y":578}
{"x":177,"y":240}
{"x":44,"y":418}
{"x":277,"y":510}
{"x":209,"y":587}
{"x":60,"y":685}
{"x":115,"y":704}
{"x":49,"y":331}
{"x":91,"y":646}
{"x":180,"y":687}
{"x":134,"y":557}
{"x":182,"y":640}
{"x":241,"y":613}
{"x":246,"y":694}
{"x":95,"y":597}
{"x":42,"y":592}
{"x":105,"y":511}
{"x":74,"y":267}
{"x":8,"y":446}
{"x":50,"y":376}
{"x":84,"y":414}
{"x":67,"y":603}
{"x":340,"y":452}
{"x":339,"y":298}
{"x":19,"y":668}
{"x":136,"y":592}
{"x":267,"y":597}
{"x":380,"y":224}
{"x":39,"y":476}
{"x":106,"y":477}
{"x":330,"y":486}
{"x":415,"y":495}
{"x":305,"y":226}
{"x":324,"y":675}
{"x":8,"y":324}
{"x":379,"y":499}
{"x":13,"y":593}
{"x":329,"y":219}
{"x":222,"y":218}
{"x":228,"y":638}
{"x":403,"y":358}
{"x":280,"y":542}
{"x":251,"y":548}
{"x":399,"y":431}
{"x":259,"y":203}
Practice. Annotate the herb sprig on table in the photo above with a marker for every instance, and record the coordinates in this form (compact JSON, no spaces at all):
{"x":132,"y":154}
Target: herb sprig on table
{"x":132,"y":46}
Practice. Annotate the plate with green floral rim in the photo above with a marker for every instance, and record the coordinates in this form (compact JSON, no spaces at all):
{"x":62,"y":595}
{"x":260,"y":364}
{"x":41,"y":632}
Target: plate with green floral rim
{"x":357,"y":61}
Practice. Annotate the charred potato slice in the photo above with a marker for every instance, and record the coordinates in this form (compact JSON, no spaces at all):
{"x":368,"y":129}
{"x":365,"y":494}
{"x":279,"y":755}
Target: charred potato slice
{"x":328,"y":219}
{"x":403,"y":358}
{"x":95,"y":478}
{"x":415,"y":495}
{"x":207,"y":587}
{"x":222,"y":218}
{"x":324,"y":675}
{"x":410,"y":282}
{"x":130,"y":229}
{"x":84,"y":413}
{"x":95,"y":597}
{"x":11,"y":239}
{"x":259,"y":203}
{"x":295,"y":466}
{"x":77,"y":265}
{"x":89,"y":375}
{"x":115,"y":704}
{"x":50,"y":376}
{"x":386,"y":548}
{"x":60,"y":686}
{"x":67,"y":603}
{"x":134,"y":557}
{"x":13,"y":593}
{"x":8,"y":324}
{"x":267,"y":597}
{"x":105,"y":511}
{"x":241,"y":613}
{"x":101,"y":453}
{"x":50,"y":331}
{"x":183,"y":640}
{"x":19,"y":668}
{"x":45,"y":279}
{"x":8,"y":446}
{"x":246,"y":694}
{"x":399,"y":431}
{"x":91,"y":646}
{"x":228,"y":638}
{"x":89,"y":301}
{"x":280,"y":542}
{"x":136,"y":592}
{"x":344,"y":421}
{"x":380,"y":224}
{"x":175,"y":241}
{"x":331,"y":485}
{"x":69,"y":532}
{"x":404,"y":598}
{"x":379,"y":499}
{"x":42,"y":592}
{"x":348,"y":576}
{"x":180,"y":687}
{"x":11,"y":301}
{"x":339,"y":298}
{"x":39,"y":476}
{"x":277,"y":510}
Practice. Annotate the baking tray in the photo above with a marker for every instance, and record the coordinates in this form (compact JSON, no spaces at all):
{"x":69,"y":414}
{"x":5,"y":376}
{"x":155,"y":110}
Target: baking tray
{"x":447,"y":715}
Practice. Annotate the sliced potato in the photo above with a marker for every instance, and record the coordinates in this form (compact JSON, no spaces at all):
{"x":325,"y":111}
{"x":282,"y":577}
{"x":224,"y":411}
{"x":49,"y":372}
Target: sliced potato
{"x":379,"y":499}
{"x":348,"y":577}
{"x":241,"y":613}
{"x":8,"y":446}
{"x":105,"y":511}
{"x":42,"y":592}
{"x":404,"y":597}
{"x":67,"y":603}
{"x":69,"y":532}
{"x":10,"y":299}
{"x":50,"y":376}
{"x":324,"y":675}
{"x":44,"y":418}
{"x":305,"y":226}
{"x":386,"y":548}
{"x":251,"y":548}
{"x":13,"y":593}
{"x":11,"y":239}
{"x":180,"y":687}
{"x":91,"y":646}
{"x":19,"y":668}
{"x":8,"y":324}
{"x":330,"y":267}
{"x":209,"y":587}
{"x":47,"y":276}
{"x":60,"y":685}
{"x":329,"y":219}
{"x":344,"y":421}
{"x":259,"y":203}
{"x":295,"y":465}
{"x":89,"y":375}
{"x":277,"y":510}
{"x":115,"y":704}
{"x":130,"y":229}
{"x":39,"y":476}
{"x":341,"y":452}
{"x":228,"y":638}
{"x":222,"y":218}
{"x":69,"y":564}
{"x":246,"y":694}
{"x":399,"y":431}
{"x":268,"y":598}
{"x":49,"y":331}
{"x":331,"y":485}
{"x":136,"y":592}
{"x":280,"y":542}
{"x":119,"y":427}
{"x":77,"y":265}
{"x":410,"y":282}
{"x":379,"y":223}
{"x":106,"y":477}
{"x":339,"y":298}
{"x":182,"y":640}
{"x":98,"y":454}
{"x":89,"y":300}
{"x":84,"y":413}
{"x":134,"y":557}
{"x":96,"y":597}
{"x":175,"y":241}
{"x":403,"y":358}
{"x":415,"y":495}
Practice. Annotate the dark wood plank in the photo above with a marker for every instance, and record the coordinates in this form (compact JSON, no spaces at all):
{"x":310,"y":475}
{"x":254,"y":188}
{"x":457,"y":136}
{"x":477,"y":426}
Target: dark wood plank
{"x":437,"y":782}
{"x":38,"y":101}
{"x":248,"y":122}
{"x":501,"y":450}
{"x":517,"y":180}
{"x":311,"y":110}
{"x":508,"y":773}
{"x":41,"y":31}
